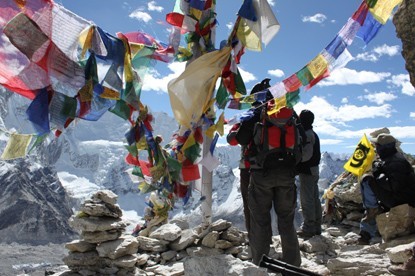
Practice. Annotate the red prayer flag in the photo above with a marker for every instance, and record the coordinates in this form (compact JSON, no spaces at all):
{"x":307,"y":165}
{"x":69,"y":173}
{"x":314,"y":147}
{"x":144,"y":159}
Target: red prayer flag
{"x":190,"y":172}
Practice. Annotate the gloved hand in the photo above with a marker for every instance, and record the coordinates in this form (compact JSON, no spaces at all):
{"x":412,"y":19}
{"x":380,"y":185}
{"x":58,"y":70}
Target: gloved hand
{"x":377,"y":168}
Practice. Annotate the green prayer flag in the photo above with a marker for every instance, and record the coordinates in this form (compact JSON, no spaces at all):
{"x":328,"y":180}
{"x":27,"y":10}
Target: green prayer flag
{"x":222,"y":96}
{"x":121,"y":109}
{"x":239,"y":83}
{"x":305,"y":76}
{"x":132,"y":149}
{"x":137,"y":172}
{"x":292,"y":98}
{"x":69,"y":106}
{"x":192,"y":152}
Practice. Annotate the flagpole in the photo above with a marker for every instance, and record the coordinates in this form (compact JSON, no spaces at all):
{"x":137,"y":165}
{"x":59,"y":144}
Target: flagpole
{"x":206,"y":175}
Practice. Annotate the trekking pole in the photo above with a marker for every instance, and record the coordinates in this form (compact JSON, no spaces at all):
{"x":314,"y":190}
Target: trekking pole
{"x":284,"y":268}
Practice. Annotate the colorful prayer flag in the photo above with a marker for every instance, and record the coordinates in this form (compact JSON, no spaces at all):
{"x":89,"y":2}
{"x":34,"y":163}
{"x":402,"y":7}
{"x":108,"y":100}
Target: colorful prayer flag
{"x":17,"y":146}
{"x":192,"y":90}
{"x":253,"y":33}
{"x":382,"y":10}
{"x":369,"y":29}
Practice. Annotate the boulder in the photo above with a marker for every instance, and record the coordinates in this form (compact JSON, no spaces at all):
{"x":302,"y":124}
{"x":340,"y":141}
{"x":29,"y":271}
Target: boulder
{"x":399,"y":221}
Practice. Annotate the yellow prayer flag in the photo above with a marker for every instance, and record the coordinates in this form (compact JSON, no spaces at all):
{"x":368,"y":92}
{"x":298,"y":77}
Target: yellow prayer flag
{"x":210,"y":132}
{"x":110,"y":94}
{"x":191,"y":92}
{"x":317,"y":66}
{"x":86,"y":93}
{"x":279,"y":103}
{"x":85,"y":39}
{"x":220,"y":123}
{"x":361,"y":159}
{"x":196,"y":13}
{"x":190,"y":141}
{"x":247,"y":36}
{"x":383,"y":9}
{"x":16,"y":146}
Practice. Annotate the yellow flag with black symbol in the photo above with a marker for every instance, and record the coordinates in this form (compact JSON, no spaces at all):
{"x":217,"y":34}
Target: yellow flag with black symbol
{"x":361,"y":159}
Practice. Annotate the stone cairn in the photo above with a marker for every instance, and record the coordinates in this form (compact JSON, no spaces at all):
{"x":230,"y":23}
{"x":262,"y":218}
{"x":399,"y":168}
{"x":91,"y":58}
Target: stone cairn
{"x":172,"y":248}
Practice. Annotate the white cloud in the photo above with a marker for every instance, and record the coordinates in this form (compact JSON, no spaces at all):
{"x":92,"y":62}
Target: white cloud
{"x":412,"y":115}
{"x":277,"y":73}
{"x":376,"y":53}
{"x":317,"y":18}
{"x":387,"y":50}
{"x":344,"y":100}
{"x":154,"y":82}
{"x":380,"y":98}
{"x":152,"y":6}
{"x":327,"y":142}
{"x":332,"y":120}
{"x":247,"y":76}
{"x":402,"y":80}
{"x":402,"y":132}
{"x":230,"y":25}
{"x":346,"y":76}
{"x":140,"y":15}
{"x":366,"y":56}
{"x":271,"y":2}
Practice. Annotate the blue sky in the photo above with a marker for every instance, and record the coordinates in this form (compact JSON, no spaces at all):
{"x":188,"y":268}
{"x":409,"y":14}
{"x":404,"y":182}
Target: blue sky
{"x":371,"y":92}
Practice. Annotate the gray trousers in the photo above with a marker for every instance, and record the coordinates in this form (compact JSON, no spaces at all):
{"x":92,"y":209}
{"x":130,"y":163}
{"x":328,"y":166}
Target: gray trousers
{"x":275,"y":188}
{"x":310,"y":204}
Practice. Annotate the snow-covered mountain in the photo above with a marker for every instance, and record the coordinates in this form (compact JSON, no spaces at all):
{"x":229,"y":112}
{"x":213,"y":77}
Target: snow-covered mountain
{"x":89,"y":156}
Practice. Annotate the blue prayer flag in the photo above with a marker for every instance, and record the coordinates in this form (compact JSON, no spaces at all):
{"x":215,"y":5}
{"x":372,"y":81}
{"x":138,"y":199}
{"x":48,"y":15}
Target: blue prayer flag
{"x":38,"y":112}
{"x":369,"y":29}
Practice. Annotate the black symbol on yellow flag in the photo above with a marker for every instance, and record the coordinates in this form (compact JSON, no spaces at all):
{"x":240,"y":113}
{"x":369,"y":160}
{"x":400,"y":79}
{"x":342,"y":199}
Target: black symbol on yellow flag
{"x":359,"y":156}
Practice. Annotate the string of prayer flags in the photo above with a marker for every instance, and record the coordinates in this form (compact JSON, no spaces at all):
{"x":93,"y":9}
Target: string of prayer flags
{"x":161,"y":52}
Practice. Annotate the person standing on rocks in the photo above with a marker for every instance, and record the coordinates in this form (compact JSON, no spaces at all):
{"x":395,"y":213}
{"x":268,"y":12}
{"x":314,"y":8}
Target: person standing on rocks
{"x":308,"y":170}
{"x":272,"y":177}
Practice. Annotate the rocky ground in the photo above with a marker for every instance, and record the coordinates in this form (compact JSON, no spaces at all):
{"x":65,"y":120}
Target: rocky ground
{"x":20,"y":259}
{"x":335,"y":252}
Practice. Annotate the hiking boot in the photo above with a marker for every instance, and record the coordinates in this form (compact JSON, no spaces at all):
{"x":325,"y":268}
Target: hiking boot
{"x":407,"y":268}
{"x":364,"y":238}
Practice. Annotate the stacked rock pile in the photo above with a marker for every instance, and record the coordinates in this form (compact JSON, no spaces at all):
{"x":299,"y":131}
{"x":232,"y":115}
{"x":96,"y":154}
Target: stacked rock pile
{"x":102,"y":248}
